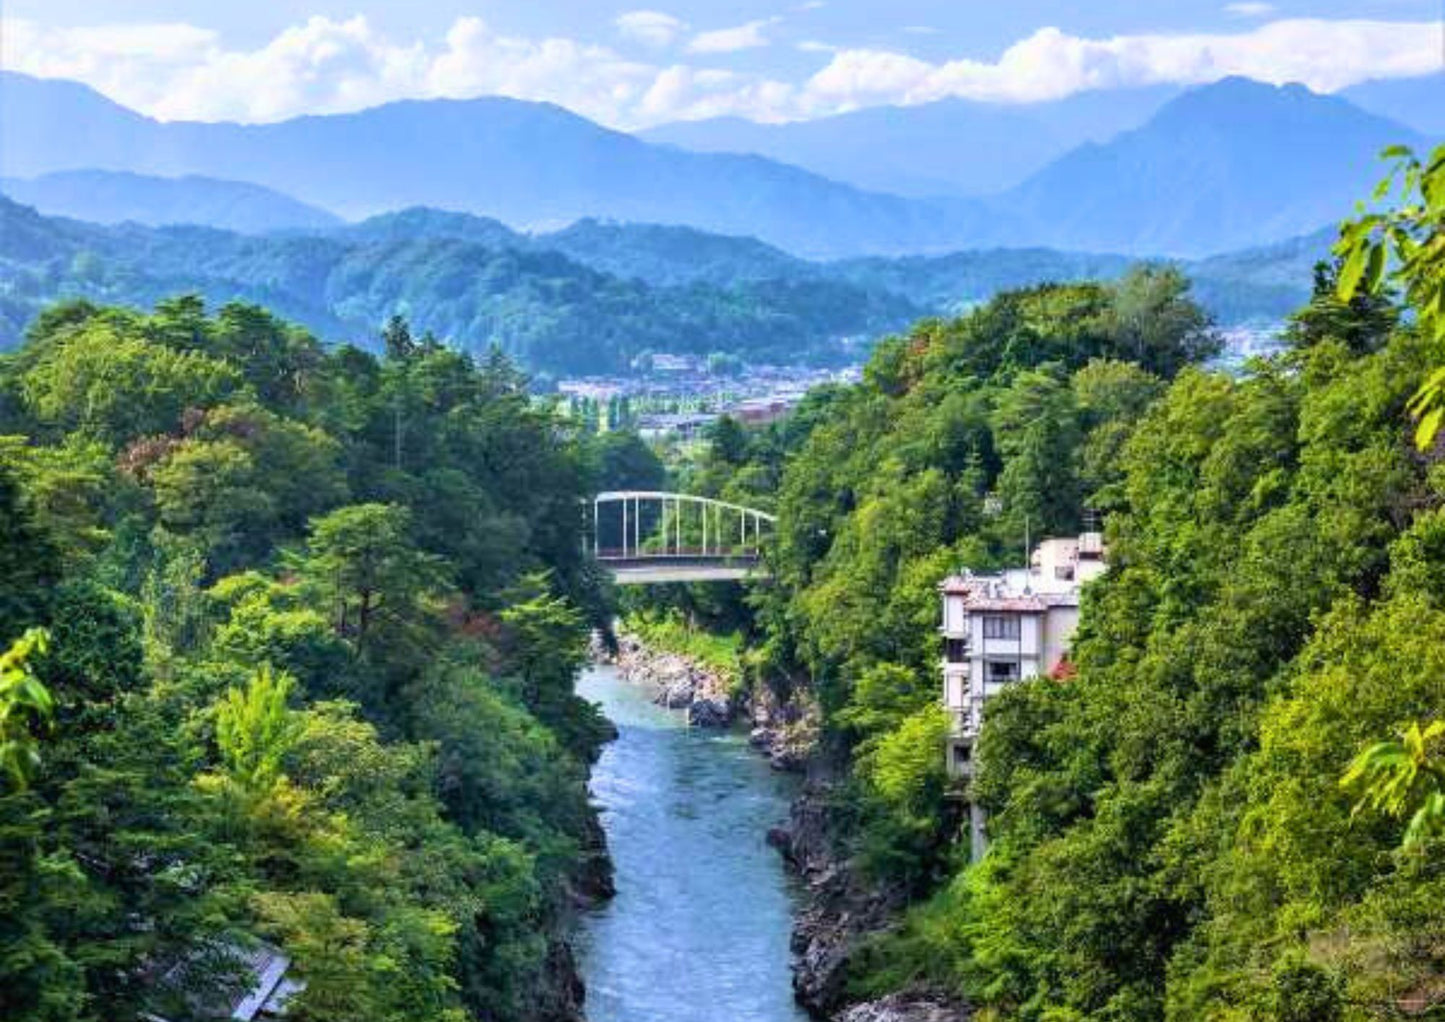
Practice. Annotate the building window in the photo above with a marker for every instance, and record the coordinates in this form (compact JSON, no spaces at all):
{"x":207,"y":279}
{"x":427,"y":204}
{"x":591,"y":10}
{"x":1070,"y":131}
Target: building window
{"x":955,"y":651}
{"x":1002,"y":672}
{"x":999,"y":627}
{"x":962,"y":755}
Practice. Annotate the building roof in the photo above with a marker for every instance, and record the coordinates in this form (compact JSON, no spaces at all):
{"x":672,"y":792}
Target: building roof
{"x":1012,"y":591}
{"x":1008,"y":604}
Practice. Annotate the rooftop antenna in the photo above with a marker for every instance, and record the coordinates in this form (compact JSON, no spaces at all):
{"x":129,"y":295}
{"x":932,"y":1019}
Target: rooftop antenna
{"x":1028,"y":560}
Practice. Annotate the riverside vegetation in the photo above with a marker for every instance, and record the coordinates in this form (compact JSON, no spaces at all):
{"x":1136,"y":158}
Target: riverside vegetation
{"x":1171,"y":837}
{"x":311,"y":620}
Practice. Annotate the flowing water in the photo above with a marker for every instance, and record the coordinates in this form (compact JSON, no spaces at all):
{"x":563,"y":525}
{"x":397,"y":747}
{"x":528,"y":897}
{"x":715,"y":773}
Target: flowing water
{"x":698,"y":931}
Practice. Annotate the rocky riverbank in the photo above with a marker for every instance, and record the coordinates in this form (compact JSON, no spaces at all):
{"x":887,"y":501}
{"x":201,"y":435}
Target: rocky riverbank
{"x":561,"y":995}
{"x":840,"y":912}
{"x":784,"y":731}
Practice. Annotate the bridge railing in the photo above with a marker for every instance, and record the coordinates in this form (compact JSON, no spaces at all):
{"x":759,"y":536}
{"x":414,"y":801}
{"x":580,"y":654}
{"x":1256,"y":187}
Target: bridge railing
{"x":681,"y":526}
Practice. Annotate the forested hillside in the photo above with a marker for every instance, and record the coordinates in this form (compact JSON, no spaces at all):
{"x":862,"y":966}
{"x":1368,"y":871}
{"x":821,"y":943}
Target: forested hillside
{"x":310,"y":625}
{"x":585,"y":299}
{"x":453,"y":278}
{"x":1170,"y":834}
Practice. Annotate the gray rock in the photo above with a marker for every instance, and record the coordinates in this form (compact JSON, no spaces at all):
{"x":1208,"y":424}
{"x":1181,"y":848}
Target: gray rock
{"x":709,"y":713}
{"x":676,"y":695}
{"x":906,"y":1008}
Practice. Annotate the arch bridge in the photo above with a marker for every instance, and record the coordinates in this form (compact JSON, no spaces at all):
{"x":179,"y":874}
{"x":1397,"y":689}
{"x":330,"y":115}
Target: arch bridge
{"x":647,"y":537}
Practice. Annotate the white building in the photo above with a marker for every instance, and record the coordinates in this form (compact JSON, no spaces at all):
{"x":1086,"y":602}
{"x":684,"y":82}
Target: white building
{"x":1007,"y":627}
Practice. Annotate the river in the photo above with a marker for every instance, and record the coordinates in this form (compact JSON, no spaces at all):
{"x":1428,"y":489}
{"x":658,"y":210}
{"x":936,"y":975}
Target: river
{"x":698,"y":931}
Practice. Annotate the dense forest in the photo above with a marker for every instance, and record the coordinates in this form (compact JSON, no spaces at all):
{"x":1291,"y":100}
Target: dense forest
{"x":1182,"y":829}
{"x":586,"y":299}
{"x":291,"y":631}
{"x":292,"y":634}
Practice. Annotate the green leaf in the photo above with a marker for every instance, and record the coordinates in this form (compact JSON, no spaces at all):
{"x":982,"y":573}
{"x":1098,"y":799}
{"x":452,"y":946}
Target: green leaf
{"x":1374,"y":267}
{"x":1353,"y":271}
{"x":1429,"y":426}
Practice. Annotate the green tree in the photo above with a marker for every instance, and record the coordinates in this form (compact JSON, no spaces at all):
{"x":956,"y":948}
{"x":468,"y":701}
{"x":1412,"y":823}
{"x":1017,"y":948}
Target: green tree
{"x":255,"y":729}
{"x":363,"y":560}
{"x":25,"y":706}
{"x":29,"y":564}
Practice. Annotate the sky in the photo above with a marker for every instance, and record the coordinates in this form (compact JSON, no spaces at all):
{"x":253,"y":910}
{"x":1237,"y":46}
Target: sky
{"x":634,"y":65}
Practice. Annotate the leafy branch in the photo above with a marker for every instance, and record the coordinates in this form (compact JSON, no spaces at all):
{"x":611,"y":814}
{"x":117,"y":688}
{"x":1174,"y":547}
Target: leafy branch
{"x":26,"y":707}
{"x":1403,"y":249}
{"x":1403,"y":778}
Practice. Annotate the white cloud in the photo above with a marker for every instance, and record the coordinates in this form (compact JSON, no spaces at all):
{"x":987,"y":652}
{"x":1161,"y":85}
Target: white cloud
{"x":814,"y":46}
{"x":321,"y":65}
{"x":1325,"y":55}
{"x":748,"y":36}
{"x":1249,"y":9}
{"x":920,"y":30}
{"x":654,"y":28}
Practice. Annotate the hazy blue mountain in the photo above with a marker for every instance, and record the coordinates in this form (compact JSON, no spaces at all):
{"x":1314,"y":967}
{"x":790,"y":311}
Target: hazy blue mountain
{"x":1416,"y":102}
{"x":654,"y":253}
{"x":417,"y":222}
{"x":950,"y":147}
{"x":662,"y":254}
{"x":111,"y":197}
{"x":1267,"y":282}
{"x":52,"y":124}
{"x":528,"y":164}
{"x":1224,"y":166}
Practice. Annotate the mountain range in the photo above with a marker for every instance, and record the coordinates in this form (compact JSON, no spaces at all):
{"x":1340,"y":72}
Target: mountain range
{"x":1217,"y":168}
{"x":932,"y":149}
{"x":586,"y":299}
{"x":1221,"y":167}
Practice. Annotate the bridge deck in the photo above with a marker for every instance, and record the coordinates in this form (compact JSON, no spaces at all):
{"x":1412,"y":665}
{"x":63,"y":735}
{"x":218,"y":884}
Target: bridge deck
{"x":635,"y":571}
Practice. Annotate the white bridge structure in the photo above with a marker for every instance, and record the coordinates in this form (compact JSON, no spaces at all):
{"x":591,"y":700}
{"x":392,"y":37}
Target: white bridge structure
{"x":647,"y":537}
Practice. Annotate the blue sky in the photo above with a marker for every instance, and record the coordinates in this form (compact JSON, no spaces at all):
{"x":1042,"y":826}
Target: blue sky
{"x":640,"y":63}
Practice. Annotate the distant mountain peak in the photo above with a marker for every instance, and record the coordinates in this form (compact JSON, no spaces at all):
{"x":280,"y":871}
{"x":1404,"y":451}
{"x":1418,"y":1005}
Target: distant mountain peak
{"x":116,"y":196}
{"x":1223,"y":166}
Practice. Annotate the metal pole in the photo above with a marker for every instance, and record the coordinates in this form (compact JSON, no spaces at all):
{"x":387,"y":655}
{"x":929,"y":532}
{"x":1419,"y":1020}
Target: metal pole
{"x":704,"y":529}
{"x":596,"y":526}
{"x":624,"y":528}
{"x":636,"y":526}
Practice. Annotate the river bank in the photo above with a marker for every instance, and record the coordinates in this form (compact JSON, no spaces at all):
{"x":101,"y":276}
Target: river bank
{"x":836,"y":910}
{"x":782,"y":730}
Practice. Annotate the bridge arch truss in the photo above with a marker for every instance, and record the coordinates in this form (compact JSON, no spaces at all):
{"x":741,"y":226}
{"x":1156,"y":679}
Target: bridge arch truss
{"x":655,"y":525}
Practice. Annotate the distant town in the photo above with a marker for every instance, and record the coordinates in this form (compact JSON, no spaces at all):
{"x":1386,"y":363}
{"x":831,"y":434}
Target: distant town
{"x":678,"y":396}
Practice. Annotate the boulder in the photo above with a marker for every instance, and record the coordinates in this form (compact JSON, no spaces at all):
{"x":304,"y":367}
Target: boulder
{"x":708,"y":713}
{"x":906,"y":1007}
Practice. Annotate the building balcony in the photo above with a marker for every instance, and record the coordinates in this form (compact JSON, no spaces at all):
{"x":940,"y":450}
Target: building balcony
{"x":963,"y":723}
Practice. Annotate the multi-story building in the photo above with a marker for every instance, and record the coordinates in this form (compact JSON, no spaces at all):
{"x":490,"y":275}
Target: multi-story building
{"x":1006,"y":627}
